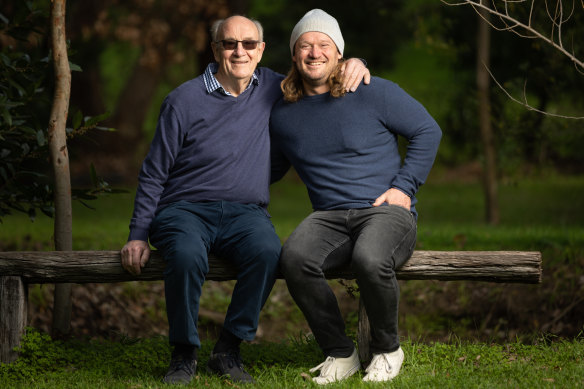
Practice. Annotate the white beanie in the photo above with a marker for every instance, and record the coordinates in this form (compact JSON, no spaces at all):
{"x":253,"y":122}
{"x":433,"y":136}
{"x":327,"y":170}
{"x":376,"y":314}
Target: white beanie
{"x":319,"y":21}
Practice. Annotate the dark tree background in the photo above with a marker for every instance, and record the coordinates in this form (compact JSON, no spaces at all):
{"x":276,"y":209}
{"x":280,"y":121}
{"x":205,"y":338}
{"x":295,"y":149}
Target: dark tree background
{"x":131,"y":53}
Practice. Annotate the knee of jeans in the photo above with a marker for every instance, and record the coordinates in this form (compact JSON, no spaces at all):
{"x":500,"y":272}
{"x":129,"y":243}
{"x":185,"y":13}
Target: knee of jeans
{"x":186,"y":259}
{"x":268,"y":256}
{"x":292,"y":261}
{"x":370,"y":267}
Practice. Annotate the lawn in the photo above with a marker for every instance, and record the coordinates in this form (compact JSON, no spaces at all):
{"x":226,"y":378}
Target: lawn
{"x":140,"y":363}
{"x":536,"y":214}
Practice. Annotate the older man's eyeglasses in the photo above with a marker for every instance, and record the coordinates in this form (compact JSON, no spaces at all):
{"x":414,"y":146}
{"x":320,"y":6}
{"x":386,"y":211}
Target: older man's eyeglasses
{"x":231,"y":44}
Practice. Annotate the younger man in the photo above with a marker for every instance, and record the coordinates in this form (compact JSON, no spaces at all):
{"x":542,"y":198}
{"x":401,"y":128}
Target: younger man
{"x":344,"y":148}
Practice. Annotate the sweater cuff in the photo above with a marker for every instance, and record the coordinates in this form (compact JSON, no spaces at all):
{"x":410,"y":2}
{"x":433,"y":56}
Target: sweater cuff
{"x":138,"y":234}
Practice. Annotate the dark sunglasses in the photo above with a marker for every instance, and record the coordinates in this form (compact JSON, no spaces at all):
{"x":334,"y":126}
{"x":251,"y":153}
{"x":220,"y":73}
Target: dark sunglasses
{"x":229,"y":44}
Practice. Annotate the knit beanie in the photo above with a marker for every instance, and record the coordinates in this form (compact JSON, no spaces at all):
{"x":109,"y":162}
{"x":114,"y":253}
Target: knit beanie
{"x":319,"y":21}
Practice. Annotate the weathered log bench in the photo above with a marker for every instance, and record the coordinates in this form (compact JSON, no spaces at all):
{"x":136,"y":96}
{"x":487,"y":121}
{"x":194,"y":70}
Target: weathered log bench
{"x":19,"y":268}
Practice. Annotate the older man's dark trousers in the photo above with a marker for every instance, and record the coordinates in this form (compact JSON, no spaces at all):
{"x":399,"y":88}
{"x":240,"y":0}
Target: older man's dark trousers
{"x":376,"y":241}
{"x":185,"y":233}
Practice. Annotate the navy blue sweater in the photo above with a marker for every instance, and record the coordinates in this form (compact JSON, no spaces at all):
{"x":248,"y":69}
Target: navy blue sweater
{"x":346,"y":149}
{"x":208,"y":147}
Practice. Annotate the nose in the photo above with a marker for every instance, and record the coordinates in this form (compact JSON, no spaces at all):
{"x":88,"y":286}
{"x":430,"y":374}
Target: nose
{"x":315,"y":51}
{"x":239,"y":50}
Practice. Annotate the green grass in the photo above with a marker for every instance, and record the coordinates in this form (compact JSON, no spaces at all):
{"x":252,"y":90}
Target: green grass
{"x":536,"y":214}
{"x":140,"y":363}
{"x":532,"y":202}
{"x":103,"y":228}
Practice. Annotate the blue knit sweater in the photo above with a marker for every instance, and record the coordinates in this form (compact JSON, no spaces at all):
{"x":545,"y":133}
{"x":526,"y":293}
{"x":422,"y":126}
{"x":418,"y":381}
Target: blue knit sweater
{"x":346,"y":149}
{"x":207,"y":147}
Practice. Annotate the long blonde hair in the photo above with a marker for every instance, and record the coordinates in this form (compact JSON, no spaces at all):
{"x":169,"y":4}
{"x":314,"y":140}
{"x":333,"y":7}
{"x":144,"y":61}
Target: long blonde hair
{"x":294,"y":90}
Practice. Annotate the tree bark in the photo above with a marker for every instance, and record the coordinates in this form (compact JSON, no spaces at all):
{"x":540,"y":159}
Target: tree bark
{"x":363,"y":334}
{"x":105,"y":266}
{"x":60,"y":160}
{"x":13,"y":299}
{"x":483,"y":85}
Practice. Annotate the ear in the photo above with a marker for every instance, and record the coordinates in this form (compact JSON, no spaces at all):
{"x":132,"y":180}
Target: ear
{"x":261,"y":48}
{"x":294,"y":51}
{"x":215,"y":51}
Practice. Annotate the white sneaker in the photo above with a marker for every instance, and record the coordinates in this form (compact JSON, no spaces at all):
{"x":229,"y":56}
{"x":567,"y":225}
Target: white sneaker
{"x":384,"y":367}
{"x":336,"y":369}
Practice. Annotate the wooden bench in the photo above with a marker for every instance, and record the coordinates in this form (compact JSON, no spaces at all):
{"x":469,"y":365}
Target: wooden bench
{"x":20,"y":268}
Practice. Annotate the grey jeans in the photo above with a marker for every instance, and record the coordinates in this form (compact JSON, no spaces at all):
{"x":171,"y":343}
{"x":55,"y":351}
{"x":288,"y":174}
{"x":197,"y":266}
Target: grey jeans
{"x":376,"y":241}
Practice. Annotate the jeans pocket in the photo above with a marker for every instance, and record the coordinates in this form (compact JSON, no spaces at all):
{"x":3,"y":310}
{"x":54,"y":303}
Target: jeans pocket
{"x":402,"y":210}
{"x":406,"y":248}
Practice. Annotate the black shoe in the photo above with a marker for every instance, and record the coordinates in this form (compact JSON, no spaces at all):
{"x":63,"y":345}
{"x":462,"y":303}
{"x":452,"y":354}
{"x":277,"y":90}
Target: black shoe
{"x":229,"y":364}
{"x":181,"y":370}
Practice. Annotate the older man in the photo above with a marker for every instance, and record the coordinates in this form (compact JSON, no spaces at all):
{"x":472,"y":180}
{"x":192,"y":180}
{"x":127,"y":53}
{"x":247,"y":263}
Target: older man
{"x":345,"y":149}
{"x":203,"y":187}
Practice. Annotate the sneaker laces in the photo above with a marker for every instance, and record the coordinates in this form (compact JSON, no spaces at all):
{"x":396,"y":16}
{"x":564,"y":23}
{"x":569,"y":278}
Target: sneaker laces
{"x":325,"y":367}
{"x":234,"y":359}
{"x":380,"y":362}
{"x":183,"y":364}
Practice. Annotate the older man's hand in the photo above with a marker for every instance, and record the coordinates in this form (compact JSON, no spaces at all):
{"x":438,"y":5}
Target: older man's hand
{"x":135,"y":254}
{"x":354,"y":71}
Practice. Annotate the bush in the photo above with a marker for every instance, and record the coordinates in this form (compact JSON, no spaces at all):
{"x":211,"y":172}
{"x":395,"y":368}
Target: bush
{"x":24,"y":112}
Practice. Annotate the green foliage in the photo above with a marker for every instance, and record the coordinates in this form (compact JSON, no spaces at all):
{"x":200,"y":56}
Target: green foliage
{"x":25,"y":103}
{"x":39,"y":354}
{"x":528,"y":69}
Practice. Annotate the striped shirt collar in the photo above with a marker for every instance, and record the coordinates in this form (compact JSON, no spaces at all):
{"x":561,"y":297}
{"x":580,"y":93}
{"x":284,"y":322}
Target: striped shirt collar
{"x":212,"y":84}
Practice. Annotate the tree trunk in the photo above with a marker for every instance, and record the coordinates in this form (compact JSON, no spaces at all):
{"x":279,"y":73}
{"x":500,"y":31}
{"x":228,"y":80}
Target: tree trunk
{"x":483,"y":85}
{"x":60,"y":161}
